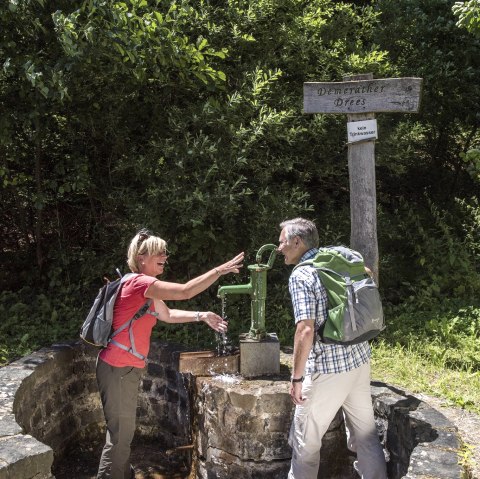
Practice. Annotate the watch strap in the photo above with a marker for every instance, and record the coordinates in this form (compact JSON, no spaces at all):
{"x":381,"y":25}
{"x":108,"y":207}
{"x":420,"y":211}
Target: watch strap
{"x":298,"y":380}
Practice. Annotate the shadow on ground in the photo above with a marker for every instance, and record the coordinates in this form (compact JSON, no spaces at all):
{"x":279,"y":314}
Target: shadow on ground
{"x":149,"y":461}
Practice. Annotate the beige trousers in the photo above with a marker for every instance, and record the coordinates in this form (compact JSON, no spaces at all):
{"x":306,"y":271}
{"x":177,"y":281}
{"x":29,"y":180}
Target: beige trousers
{"x":326,"y":394}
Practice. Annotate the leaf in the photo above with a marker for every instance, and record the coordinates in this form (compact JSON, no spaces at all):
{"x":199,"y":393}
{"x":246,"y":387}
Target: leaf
{"x":201,"y":43}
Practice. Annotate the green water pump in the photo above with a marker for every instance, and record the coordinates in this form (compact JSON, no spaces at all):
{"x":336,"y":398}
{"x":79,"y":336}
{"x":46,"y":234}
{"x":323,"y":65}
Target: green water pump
{"x":257,"y":289}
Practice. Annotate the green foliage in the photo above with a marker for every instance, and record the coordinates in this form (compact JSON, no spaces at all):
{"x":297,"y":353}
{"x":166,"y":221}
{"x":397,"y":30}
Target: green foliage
{"x":32,"y":319}
{"x":424,"y":153}
{"x":441,"y":253}
{"x":186,"y":117}
{"x":468,"y":14}
{"x":472,"y":160}
{"x":141,"y":41}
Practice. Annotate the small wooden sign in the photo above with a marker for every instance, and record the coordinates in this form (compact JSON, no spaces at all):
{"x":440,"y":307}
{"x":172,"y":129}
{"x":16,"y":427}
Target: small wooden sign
{"x":379,"y":95}
{"x":362,"y":130}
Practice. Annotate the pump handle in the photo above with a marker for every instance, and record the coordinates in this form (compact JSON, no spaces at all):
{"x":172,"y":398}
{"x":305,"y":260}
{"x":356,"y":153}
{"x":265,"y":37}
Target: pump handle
{"x":272,"y":257}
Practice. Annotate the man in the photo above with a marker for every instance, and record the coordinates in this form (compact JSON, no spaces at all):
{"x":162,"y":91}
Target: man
{"x":325,"y":377}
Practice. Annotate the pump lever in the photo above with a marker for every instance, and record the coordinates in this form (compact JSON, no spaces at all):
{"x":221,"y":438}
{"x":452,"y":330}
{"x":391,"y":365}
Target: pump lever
{"x":271,"y":258}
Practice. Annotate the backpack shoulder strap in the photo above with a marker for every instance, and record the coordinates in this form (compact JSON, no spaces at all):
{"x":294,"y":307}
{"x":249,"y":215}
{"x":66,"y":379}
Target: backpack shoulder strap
{"x":129,"y":324}
{"x":318,"y":268}
{"x":303,"y":263}
{"x":127,"y":276}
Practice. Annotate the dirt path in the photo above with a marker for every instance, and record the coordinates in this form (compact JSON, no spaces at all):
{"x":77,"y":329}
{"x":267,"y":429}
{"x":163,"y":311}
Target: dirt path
{"x":468,"y":424}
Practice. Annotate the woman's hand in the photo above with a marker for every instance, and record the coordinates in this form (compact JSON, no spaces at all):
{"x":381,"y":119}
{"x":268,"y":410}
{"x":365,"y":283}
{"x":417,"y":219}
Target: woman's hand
{"x":232,"y":266}
{"x":215,"y":321}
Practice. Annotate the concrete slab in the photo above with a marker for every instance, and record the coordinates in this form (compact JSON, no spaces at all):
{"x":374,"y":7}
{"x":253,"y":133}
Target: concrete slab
{"x":259,"y":358}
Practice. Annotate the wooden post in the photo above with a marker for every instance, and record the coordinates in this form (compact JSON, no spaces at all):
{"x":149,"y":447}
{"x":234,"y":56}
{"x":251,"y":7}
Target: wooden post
{"x":359,"y":97}
{"x":363,"y":195}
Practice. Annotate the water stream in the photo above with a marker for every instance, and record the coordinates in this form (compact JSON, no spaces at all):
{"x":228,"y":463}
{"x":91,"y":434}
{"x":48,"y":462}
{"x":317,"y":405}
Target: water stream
{"x":224,"y":344}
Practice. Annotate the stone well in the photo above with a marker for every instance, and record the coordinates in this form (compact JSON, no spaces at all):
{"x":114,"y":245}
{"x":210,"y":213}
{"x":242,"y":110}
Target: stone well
{"x":237,"y":428}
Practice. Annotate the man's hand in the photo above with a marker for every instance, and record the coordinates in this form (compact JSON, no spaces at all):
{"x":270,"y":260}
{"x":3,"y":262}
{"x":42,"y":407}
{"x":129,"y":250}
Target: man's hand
{"x":296,"y":393}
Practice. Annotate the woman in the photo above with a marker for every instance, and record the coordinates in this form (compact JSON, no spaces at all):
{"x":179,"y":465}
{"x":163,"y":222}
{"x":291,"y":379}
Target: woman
{"x":118,"y":370}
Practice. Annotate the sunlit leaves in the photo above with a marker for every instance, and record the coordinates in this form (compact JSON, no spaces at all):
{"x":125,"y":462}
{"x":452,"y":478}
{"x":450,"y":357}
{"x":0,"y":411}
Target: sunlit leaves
{"x":472,"y":161}
{"x":140,"y":41}
{"x":468,"y":14}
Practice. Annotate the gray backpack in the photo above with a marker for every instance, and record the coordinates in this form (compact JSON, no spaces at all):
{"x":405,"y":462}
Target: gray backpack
{"x":97,"y":327}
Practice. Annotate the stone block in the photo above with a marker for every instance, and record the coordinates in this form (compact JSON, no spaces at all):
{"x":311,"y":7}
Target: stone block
{"x":246,"y":402}
{"x":277,"y":398}
{"x":427,"y":461}
{"x":279,"y":423}
{"x":210,"y":470}
{"x":87,"y":417}
{"x":35,"y":418}
{"x":83,"y":367}
{"x":428,"y":415}
{"x":91,"y":385}
{"x":155,"y":370}
{"x":9,"y":426}
{"x":146,"y":384}
{"x":446,"y":439}
{"x":23,"y":457}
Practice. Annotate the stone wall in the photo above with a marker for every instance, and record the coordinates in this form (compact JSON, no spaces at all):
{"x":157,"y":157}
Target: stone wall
{"x":421,"y":441}
{"x":49,"y":400}
{"x":243,"y":429}
{"x":165,"y":402}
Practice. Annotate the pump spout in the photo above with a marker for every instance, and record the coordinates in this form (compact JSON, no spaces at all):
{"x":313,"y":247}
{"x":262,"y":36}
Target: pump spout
{"x":235,"y":289}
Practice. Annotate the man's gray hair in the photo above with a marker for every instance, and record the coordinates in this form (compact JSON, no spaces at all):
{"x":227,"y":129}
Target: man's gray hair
{"x":304,"y":229}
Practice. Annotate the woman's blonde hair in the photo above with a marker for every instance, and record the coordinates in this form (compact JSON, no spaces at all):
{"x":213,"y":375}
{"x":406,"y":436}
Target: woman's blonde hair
{"x":144,"y":243}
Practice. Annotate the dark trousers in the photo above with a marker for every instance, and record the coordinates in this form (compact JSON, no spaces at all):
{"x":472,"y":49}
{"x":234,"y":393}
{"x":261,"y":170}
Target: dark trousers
{"x":119,"y":393}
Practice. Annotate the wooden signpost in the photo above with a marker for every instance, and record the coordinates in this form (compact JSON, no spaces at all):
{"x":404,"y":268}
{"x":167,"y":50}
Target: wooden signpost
{"x":360,"y":97}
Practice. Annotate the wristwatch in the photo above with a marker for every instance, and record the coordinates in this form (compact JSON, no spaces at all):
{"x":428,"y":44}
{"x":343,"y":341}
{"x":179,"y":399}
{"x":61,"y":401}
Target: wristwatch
{"x":298,"y":380}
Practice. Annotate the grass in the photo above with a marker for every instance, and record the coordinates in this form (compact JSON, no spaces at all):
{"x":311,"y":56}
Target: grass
{"x":435,"y":352}
{"x":409,"y":369}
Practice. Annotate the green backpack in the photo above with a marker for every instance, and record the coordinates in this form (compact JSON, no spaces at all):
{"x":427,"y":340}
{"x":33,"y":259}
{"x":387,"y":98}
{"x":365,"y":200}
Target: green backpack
{"x":355,"y":312}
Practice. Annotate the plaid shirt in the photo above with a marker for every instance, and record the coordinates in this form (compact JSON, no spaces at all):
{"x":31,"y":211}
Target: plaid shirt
{"x":309,"y":299}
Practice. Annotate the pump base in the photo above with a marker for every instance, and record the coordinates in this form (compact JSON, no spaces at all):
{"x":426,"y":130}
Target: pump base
{"x":259,"y":358}
{"x":206,"y":363}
